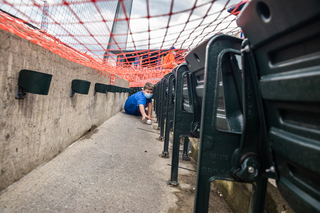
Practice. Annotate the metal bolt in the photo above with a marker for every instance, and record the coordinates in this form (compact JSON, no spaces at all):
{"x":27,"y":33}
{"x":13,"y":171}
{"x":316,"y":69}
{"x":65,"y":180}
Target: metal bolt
{"x":245,"y":49}
{"x":271,"y":169}
{"x":250,"y":169}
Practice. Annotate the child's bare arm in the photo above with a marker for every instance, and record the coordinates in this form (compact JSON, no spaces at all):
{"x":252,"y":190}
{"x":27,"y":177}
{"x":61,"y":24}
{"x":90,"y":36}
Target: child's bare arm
{"x":143,"y":112}
{"x":150,"y":109}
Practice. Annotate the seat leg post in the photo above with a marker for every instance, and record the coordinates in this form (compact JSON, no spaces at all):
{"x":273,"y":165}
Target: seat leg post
{"x":165,"y":152}
{"x":201,"y":200}
{"x":258,"y":196}
{"x":169,"y":118}
{"x":185,"y":156}
{"x":175,"y":159}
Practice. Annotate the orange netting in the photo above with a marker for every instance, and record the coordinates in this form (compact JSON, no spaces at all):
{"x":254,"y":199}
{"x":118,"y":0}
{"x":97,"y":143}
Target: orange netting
{"x":131,"y":44}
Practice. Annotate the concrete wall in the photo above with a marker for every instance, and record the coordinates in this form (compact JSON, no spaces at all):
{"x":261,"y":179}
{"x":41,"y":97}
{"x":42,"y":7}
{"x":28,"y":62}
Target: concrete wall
{"x":35,"y":129}
{"x":237,"y":195}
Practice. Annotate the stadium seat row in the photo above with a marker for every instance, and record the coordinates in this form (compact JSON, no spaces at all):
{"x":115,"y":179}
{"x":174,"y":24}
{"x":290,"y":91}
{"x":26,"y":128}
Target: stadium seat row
{"x":254,"y":104}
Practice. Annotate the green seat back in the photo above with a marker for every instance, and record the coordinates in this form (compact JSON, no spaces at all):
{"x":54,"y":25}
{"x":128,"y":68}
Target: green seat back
{"x":101,"y":88}
{"x":34,"y":82}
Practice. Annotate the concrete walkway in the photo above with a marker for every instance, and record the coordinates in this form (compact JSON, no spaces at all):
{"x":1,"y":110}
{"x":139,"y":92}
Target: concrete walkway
{"x":114,"y":168}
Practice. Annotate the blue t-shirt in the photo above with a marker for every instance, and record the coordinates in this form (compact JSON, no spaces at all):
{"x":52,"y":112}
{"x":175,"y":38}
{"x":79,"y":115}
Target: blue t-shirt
{"x":132,"y":103}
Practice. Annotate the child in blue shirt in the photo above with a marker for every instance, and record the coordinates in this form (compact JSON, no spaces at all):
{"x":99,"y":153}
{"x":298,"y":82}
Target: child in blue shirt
{"x":137,"y":103}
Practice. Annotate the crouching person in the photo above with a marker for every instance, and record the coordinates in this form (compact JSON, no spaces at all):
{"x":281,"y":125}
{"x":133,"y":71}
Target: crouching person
{"x":137,"y":103}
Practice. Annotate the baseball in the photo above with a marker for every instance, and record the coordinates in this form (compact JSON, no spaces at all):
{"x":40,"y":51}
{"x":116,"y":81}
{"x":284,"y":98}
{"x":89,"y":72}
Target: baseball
{"x":149,"y":122}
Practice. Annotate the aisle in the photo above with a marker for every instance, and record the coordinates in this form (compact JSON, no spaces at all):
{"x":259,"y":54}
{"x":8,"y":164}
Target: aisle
{"x":114,"y":168}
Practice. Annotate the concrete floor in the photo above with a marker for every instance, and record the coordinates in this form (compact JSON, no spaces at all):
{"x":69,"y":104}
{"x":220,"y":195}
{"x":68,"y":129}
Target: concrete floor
{"x":114,"y":168}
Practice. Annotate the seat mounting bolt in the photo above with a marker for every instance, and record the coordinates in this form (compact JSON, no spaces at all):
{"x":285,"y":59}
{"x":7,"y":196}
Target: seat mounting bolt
{"x":250,"y":169}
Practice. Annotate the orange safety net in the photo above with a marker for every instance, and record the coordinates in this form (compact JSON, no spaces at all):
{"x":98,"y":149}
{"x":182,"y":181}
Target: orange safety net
{"x":132,"y":45}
